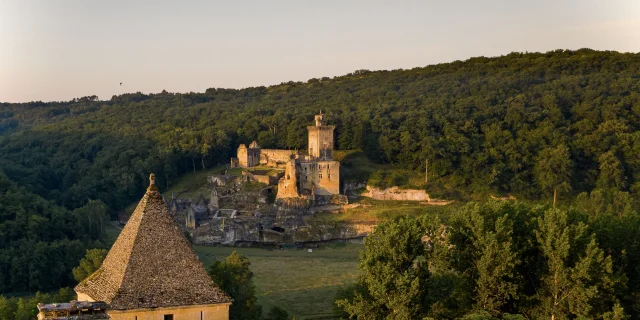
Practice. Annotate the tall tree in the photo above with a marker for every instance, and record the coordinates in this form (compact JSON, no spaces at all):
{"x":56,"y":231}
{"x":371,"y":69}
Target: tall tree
{"x":234,"y":277}
{"x":393,"y":281}
{"x":495,"y":263}
{"x":553,"y":170}
{"x":89,"y":264}
{"x":611,"y":172}
{"x":574,"y":272}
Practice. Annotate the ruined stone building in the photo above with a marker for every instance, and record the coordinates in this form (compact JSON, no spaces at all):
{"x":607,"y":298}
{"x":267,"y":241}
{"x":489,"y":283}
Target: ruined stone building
{"x":312,"y":175}
{"x":151,"y":272}
{"x":198,"y":211}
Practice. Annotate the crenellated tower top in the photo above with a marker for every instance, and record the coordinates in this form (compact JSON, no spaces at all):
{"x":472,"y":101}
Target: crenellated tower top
{"x":321,"y":139}
{"x":319,"y":119}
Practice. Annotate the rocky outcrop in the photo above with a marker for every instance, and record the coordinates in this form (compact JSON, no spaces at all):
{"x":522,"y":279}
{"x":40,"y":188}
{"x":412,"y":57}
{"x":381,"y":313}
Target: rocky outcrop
{"x":281,"y":230}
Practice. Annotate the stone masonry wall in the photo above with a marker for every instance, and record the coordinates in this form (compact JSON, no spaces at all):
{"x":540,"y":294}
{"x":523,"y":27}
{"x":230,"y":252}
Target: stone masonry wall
{"x":274,"y":155}
{"x":195,"y":312}
{"x":394,"y":193}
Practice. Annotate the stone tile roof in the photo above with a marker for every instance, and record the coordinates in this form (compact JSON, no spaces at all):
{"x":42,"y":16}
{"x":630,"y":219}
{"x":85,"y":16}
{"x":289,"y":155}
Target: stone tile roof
{"x":71,"y":306}
{"x":151,"y":264}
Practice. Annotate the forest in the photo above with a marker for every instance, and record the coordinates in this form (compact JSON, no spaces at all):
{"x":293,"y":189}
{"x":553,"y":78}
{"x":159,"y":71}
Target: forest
{"x":499,"y":260}
{"x":539,"y":126}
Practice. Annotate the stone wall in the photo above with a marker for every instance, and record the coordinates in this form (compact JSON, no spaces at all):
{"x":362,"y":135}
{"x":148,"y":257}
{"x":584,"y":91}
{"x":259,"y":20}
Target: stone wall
{"x":328,"y":178}
{"x":246,"y":230}
{"x":234,"y":163}
{"x":271,"y":157}
{"x":195,"y":312}
{"x":248,"y":157}
{"x":321,"y":177}
{"x":395,"y":193}
{"x":336,"y":199}
{"x":261,"y":178}
{"x":268,"y":180}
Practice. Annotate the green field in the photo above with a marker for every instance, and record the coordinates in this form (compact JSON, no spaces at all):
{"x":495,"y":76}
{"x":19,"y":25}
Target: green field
{"x":303,"y":283}
{"x":367,"y":209}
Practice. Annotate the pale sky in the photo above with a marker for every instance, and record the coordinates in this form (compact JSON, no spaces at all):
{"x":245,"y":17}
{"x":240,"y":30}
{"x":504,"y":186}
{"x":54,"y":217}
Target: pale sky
{"x":61,"y":49}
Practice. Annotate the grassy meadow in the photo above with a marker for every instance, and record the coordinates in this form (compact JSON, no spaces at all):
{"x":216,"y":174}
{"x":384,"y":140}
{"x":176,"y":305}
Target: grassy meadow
{"x":303,"y":283}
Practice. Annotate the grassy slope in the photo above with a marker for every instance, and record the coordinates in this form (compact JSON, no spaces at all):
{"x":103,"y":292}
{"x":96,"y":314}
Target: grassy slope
{"x":355,"y":166}
{"x":302,"y":283}
{"x":192,"y":184}
{"x":378,"y":210}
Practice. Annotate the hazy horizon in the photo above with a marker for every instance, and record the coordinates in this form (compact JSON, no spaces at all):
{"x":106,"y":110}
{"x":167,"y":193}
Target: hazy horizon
{"x":57,"y":51}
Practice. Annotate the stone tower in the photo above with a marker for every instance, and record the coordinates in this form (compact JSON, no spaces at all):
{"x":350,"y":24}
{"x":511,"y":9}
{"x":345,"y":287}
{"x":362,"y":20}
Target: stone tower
{"x":321,"y":139}
{"x":248,"y":157}
{"x":288,"y":185}
{"x":214,"y":200}
{"x":152,"y":272}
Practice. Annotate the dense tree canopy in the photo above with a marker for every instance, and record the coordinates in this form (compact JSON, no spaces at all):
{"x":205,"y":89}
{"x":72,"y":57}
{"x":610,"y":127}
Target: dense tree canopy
{"x":41,"y":242}
{"x":499,"y":261}
{"x":26,"y":308}
{"x":89,"y":264}
{"x":484,"y":124}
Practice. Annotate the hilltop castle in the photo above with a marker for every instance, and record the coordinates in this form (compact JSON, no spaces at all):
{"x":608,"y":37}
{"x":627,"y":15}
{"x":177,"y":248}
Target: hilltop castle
{"x":312,"y":175}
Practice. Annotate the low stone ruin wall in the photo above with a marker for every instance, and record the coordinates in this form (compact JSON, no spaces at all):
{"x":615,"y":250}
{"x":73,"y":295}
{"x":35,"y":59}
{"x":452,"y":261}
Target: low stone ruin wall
{"x":395,"y":193}
{"x":268,"y":180}
{"x":337,"y":199}
{"x":273,"y":156}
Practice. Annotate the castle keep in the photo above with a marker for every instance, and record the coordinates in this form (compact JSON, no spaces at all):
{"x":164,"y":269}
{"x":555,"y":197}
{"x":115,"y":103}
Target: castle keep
{"x":311,"y":175}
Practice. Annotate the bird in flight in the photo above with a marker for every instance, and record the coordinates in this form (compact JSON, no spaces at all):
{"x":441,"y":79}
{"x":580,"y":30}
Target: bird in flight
{"x":120,"y":83}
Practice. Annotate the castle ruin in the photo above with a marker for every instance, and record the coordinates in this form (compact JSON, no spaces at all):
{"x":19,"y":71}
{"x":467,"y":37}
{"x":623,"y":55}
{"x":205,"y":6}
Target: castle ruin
{"x":310,"y":176}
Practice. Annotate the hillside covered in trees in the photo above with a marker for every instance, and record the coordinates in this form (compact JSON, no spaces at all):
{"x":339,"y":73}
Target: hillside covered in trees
{"x":529,"y":124}
{"x":499,"y":260}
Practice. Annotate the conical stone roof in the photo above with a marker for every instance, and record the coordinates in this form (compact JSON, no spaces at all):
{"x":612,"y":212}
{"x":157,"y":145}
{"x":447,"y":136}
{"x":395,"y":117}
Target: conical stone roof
{"x":151,"y":264}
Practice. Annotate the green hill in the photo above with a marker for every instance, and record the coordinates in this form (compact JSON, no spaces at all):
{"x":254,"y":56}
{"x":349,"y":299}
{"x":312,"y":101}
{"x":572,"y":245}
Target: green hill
{"x":483,"y":123}
{"x":523,"y":123}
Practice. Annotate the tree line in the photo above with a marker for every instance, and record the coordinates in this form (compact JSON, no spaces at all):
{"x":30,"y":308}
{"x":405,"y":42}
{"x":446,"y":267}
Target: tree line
{"x":499,"y":261}
{"x":40,"y":242}
{"x":485,"y":125}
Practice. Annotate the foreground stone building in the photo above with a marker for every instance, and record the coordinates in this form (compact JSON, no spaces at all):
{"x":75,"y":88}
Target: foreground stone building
{"x":151,"y":272}
{"x":312,"y":175}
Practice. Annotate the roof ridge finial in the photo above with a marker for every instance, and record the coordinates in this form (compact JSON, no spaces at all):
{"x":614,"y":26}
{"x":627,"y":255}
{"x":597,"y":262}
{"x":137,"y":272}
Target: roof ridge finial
{"x":152,"y":183}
